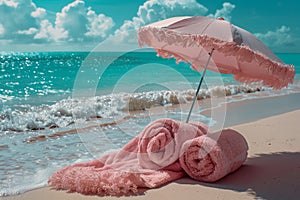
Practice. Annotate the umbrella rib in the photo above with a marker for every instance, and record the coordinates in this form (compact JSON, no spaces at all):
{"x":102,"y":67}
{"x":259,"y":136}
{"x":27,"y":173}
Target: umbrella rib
{"x":206,"y":27}
{"x":212,"y":21}
{"x":200,"y":83}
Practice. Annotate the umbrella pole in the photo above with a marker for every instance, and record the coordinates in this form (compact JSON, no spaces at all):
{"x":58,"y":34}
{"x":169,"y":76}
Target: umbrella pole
{"x":200,"y":83}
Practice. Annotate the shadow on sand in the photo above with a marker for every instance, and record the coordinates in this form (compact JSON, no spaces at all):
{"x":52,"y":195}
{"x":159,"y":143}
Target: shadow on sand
{"x":266,"y":176}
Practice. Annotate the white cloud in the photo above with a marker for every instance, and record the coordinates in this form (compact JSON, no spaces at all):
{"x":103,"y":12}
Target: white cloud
{"x":81,"y":23}
{"x":281,"y":36}
{"x":224,"y":12}
{"x":49,"y":33}
{"x":98,"y":25}
{"x":20,"y":19}
{"x":30,"y":31}
{"x":9,"y":3}
{"x":39,"y":13}
{"x":154,"y":10}
{"x":73,"y":20}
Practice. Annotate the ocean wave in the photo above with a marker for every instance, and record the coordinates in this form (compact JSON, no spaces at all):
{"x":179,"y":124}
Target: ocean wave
{"x":21,"y":185}
{"x":65,"y":112}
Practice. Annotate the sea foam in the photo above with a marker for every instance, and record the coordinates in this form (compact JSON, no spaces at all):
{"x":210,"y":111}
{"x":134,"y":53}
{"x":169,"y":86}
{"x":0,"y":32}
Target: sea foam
{"x":65,"y":112}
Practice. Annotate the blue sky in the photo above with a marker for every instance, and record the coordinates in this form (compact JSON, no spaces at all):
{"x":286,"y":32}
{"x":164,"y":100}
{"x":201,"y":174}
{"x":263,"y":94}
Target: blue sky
{"x":76,"y":25}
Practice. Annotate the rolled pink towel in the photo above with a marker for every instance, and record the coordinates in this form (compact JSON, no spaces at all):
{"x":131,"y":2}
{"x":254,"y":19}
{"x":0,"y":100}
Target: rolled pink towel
{"x":210,"y":157}
{"x":160,"y":143}
{"x":147,"y":161}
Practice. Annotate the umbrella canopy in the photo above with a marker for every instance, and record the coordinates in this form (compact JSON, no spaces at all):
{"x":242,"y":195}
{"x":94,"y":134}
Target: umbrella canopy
{"x":236,"y":51}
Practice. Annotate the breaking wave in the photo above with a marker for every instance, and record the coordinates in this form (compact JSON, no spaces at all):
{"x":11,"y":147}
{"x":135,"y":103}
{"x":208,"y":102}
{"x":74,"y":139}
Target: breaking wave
{"x":65,"y":112}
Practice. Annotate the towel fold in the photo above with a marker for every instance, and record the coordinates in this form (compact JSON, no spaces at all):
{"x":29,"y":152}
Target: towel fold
{"x":210,"y":157}
{"x":160,"y":143}
{"x":149,"y":160}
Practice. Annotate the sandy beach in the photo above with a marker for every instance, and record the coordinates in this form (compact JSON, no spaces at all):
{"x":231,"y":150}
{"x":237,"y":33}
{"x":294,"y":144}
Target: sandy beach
{"x":272,"y":170}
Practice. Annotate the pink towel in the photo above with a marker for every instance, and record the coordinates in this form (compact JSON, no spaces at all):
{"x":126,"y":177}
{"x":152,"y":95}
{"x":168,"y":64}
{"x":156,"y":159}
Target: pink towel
{"x":148,"y":161}
{"x":160,"y":143}
{"x":210,"y":157}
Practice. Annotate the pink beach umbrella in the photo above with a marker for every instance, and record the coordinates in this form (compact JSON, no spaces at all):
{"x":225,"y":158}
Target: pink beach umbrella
{"x":233,"y":50}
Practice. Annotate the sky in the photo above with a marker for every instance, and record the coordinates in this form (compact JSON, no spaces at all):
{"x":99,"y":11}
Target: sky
{"x":77,"y":25}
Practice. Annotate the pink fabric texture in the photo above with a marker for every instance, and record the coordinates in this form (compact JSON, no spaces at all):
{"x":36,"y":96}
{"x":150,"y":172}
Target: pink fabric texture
{"x":236,"y":51}
{"x":161,"y":153}
{"x":210,"y":157}
{"x":149,"y":160}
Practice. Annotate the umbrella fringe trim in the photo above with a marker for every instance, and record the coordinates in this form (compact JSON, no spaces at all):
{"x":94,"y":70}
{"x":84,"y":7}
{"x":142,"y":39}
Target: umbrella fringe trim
{"x":282,"y":74}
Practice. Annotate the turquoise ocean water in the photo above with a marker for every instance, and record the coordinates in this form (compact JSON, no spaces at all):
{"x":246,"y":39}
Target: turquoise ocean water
{"x":42,"y":94}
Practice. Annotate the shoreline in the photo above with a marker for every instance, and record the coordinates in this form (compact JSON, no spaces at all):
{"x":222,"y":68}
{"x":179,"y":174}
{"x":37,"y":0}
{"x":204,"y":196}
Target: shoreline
{"x":232,"y":108}
{"x":272,"y":170}
{"x":250,"y":110}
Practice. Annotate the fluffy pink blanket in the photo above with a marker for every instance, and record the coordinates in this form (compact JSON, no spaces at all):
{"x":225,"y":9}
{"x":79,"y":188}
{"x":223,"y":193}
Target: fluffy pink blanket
{"x":158,"y":155}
